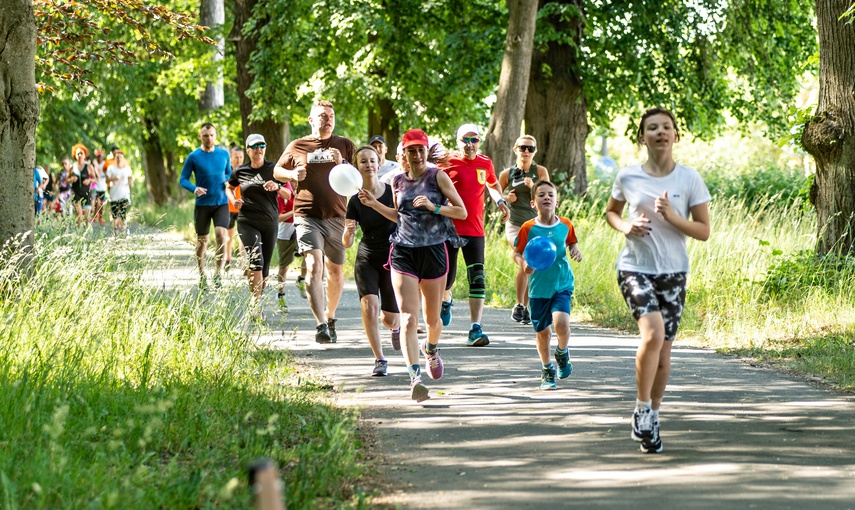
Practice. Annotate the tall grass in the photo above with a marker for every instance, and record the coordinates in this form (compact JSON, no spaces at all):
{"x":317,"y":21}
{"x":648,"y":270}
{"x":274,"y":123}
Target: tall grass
{"x":117,"y":394}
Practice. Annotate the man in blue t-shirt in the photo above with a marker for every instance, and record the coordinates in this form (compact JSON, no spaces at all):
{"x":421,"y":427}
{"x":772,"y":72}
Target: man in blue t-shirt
{"x":211,"y":168}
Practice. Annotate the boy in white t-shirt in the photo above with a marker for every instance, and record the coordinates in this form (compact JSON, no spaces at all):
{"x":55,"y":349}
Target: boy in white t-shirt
{"x":121,"y":179}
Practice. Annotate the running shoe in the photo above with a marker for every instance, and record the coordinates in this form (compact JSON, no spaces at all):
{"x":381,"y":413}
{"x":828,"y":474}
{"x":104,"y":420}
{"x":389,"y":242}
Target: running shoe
{"x":418,"y":391}
{"x":477,"y":338}
{"x":547,"y":379}
{"x":526,"y":316}
{"x":396,"y":340}
{"x":283,"y":304}
{"x":445,"y":313}
{"x":333,"y":335}
{"x":642,"y":425}
{"x":301,"y":284}
{"x":565,"y":368}
{"x":518,"y":312}
{"x":653,"y":444}
{"x":379,"y":368}
{"x":322,"y":336}
{"x":434,"y":362}
{"x":218,"y":281}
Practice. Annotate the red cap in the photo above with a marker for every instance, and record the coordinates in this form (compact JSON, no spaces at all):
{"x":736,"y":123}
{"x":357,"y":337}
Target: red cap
{"x":415,"y":137}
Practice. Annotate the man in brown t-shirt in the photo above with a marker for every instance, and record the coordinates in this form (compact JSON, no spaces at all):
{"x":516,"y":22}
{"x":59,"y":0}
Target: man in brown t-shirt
{"x":319,"y":211}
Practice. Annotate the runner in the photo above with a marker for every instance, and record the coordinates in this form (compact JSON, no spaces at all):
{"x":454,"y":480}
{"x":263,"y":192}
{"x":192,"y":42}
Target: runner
{"x":551,"y":289}
{"x":121,"y":180}
{"x":373,"y":279}
{"x":286,"y":239}
{"x":99,"y":189}
{"x":319,"y":212}
{"x":211,"y":168}
{"x":236,"y":155}
{"x":516,"y":183}
{"x":662,"y":195}
{"x":424,"y":200}
{"x":80,"y":181}
{"x":472,"y":174}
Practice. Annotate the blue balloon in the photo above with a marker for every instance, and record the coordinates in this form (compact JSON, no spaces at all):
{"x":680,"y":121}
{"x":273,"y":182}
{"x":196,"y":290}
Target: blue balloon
{"x":539,"y":253}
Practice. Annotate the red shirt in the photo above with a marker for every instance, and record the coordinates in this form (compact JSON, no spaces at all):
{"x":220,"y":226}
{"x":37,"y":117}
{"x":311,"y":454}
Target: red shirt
{"x":286,"y":206}
{"x":470,"y":178}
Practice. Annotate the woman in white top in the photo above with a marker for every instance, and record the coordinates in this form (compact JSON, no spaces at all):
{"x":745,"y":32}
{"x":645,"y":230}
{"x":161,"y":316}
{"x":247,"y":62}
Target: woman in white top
{"x":667,"y":202}
{"x":121,"y":180}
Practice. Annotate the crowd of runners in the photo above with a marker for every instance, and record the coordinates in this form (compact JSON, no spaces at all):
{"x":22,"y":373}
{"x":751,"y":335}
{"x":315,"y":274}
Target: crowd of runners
{"x":88,"y":188}
{"x":415,"y":214}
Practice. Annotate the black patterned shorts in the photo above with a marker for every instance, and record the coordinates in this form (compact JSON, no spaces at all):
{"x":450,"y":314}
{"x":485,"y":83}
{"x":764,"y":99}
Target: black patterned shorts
{"x":648,"y":293}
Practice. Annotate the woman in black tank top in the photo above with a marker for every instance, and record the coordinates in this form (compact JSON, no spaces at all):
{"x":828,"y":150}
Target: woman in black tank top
{"x":516,"y":183}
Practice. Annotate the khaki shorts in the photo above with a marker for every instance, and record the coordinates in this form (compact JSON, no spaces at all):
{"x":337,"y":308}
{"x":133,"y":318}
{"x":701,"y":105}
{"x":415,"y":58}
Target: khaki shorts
{"x":324,"y":235}
{"x":287,"y":248}
{"x":511,"y":232}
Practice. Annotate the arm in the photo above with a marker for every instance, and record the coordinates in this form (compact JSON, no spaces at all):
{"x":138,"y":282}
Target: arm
{"x":542,"y":173}
{"x":348,"y":233}
{"x":520,"y":261}
{"x":184,"y":180}
{"x":502,"y":204}
{"x":282,"y":172}
{"x":640,"y":227}
{"x":456,"y":209}
{"x":574,"y":253}
{"x":368,"y":199}
{"x":696,"y":228}
{"x":286,"y":216}
{"x":230,"y":194}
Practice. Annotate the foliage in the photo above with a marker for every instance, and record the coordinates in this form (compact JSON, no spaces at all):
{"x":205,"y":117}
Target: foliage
{"x":794,"y":276}
{"x":123,"y":394}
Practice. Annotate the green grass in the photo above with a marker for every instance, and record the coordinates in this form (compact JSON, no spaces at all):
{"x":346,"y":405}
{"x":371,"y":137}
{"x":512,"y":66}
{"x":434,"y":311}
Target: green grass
{"x":121,"y":395}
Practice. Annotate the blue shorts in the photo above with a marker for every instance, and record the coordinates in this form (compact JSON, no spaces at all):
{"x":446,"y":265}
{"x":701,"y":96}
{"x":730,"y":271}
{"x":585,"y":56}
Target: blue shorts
{"x":542,"y":308}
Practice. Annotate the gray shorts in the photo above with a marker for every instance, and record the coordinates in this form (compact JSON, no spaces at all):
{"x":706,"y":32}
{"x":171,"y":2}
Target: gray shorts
{"x":324,"y":235}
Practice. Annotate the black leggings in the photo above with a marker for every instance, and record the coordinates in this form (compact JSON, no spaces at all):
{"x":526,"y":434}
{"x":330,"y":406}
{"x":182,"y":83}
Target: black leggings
{"x":473,"y":255}
{"x":258,"y":240}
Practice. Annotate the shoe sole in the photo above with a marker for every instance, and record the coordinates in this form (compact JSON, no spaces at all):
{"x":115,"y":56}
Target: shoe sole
{"x":378,"y":374}
{"x":419,"y":393}
{"x":481,"y":342}
{"x":647,"y":447}
{"x":324,"y":340}
{"x":549,"y":388}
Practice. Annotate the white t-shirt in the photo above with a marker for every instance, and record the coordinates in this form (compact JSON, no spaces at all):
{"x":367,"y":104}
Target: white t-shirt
{"x":101,"y":182}
{"x":386,"y":167}
{"x":121,"y":189}
{"x":663,"y":251}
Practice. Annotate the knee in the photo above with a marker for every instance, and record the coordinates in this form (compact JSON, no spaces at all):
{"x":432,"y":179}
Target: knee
{"x":370,"y":307}
{"x":477,"y":281}
{"x":335,"y":270}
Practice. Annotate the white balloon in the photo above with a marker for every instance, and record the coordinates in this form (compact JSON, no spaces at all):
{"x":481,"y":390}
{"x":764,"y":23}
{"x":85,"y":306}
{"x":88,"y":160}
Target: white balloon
{"x":345,"y":179}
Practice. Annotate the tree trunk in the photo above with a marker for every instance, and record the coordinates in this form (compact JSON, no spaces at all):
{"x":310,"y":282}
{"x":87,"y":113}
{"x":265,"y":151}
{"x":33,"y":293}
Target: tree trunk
{"x":830,"y":135}
{"x":19,"y":114}
{"x":156,"y":180}
{"x":383,"y":121}
{"x":506,"y":122}
{"x":212,"y":14}
{"x":276,"y":133}
{"x":556,"y":112}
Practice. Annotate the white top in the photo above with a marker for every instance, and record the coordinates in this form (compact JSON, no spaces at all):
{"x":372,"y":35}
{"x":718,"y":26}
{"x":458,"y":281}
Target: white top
{"x":663,"y":251}
{"x":101,"y":182}
{"x":387,"y":167}
{"x":286,"y":230}
{"x":388,"y":177}
{"x":121,"y":189}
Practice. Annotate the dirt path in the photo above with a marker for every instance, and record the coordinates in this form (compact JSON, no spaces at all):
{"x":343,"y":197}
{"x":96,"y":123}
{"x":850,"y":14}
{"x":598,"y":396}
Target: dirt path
{"x":735,"y":436}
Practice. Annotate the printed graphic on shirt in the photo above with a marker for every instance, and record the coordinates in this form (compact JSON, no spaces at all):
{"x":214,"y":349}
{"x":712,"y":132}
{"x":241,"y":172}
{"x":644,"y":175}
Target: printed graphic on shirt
{"x":320,"y":156}
{"x":482,"y":175}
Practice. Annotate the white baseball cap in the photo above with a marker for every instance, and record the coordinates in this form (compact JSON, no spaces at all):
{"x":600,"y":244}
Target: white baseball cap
{"x":468,"y":128}
{"x":254,"y":139}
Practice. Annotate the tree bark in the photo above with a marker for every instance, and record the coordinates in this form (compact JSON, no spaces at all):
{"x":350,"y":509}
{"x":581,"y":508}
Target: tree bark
{"x":156,"y":178}
{"x":276,"y":132}
{"x":383,"y":121}
{"x":19,"y":114}
{"x":212,"y":14}
{"x":830,"y":135}
{"x":506,"y":122}
{"x":556,"y":112}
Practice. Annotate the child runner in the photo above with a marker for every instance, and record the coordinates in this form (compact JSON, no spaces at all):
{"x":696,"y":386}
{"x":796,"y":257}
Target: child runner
{"x":419,"y":259}
{"x":373,"y":279}
{"x":654,"y":262}
{"x":286,"y":239}
{"x":550,"y":290}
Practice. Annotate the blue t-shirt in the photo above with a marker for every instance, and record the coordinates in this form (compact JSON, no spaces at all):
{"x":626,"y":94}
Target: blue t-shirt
{"x":557,"y":277}
{"x":212,"y":170}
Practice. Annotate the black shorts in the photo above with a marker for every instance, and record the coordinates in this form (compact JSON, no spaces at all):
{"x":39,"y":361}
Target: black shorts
{"x":259,"y":240}
{"x":119,"y":208}
{"x":203,"y":214}
{"x":373,"y":277}
{"x":100,"y":195}
{"x":84,"y":200}
{"x":422,"y":263}
{"x":648,"y":293}
{"x":232,"y":219}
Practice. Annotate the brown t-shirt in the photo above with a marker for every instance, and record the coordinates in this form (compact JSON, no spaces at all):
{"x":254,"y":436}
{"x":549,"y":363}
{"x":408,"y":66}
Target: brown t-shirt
{"x":315,"y":198}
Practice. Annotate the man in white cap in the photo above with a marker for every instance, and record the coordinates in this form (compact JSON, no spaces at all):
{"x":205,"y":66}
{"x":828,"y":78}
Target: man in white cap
{"x":472,"y":174}
{"x":319,"y":212}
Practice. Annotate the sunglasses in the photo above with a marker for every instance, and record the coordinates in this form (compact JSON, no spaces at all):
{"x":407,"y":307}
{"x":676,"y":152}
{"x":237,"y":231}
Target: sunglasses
{"x":258,"y":146}
{"x":467,"y":139}
{"x":527,"y":148}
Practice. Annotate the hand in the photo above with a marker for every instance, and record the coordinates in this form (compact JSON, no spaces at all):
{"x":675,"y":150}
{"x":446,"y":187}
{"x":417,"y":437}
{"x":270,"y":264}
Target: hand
{"x":271,"y":186}
{"x":422,"y":201}
{"x":512,"y":197}
{"x":506,"y":212}
{"x":200,"y":191}
{"x":336,"y":154}
{"x":238,"y":203}
{"x":526,"y":269}
{"x":350,"y":227}
{"x":574,"y":253}
{"x":298,"y":173}
{"x":663,"y":206}
{"x":366,"y":198}
{"x":528,"y":182}
{"x":640,"y":227}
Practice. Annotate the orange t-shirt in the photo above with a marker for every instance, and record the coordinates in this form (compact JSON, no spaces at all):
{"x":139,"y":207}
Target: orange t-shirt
{"x":232,"y":204}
